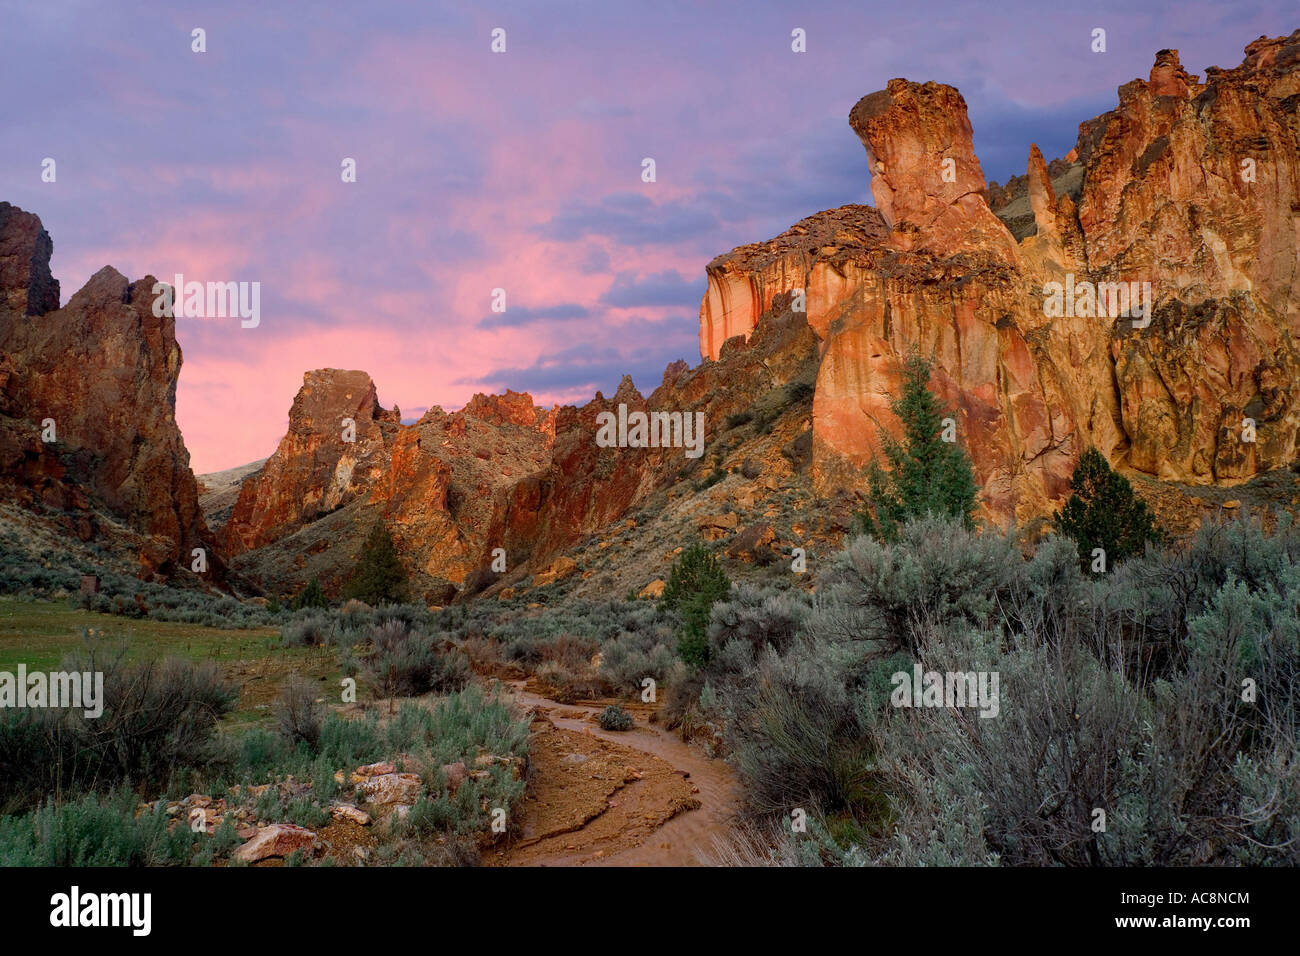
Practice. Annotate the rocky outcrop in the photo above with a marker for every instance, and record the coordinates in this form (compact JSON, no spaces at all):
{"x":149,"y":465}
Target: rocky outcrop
{"x":925,"y":176}
{"x":103,"y":370}
{"x":25,"y":250}
{"x":1190,"y":187}
{"x":441,"y":485}
{"x":811,"y":255}
{"x":338,"y":439}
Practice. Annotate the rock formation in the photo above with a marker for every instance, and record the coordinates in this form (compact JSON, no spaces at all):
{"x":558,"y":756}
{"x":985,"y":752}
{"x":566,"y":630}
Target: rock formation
{"x":441,"y":485}
{"x":1191,"y":187}
{"x":104,"y":370}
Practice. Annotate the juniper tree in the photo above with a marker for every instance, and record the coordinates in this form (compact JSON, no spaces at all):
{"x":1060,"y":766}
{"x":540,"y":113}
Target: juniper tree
{"x":1103,"y":512}
{"x":695,"y":583}
{"x":926,"y":474}
{"x":379,"y":577}
{"x":313,"y":595}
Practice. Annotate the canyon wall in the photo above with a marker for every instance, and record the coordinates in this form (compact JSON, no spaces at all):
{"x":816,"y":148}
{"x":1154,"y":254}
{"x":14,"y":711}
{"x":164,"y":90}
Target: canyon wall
{"x":104,"y":369}
{"x":1190,"y":187}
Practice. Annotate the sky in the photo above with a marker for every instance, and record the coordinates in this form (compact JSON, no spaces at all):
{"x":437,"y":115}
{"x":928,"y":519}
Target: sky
{"x":520,"y":170}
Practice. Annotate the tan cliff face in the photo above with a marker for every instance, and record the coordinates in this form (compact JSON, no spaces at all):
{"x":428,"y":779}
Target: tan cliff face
{"x":104,"y":368}
{"x":1189,"y":187}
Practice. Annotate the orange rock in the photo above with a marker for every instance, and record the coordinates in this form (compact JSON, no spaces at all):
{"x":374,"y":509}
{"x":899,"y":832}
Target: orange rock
{"x":278,"y":839}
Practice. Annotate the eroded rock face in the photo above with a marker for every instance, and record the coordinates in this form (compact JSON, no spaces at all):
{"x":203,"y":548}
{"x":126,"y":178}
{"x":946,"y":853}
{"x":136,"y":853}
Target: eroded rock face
{"x":499,"y":473}
{"x":25,"y":250}
{"x":1193,"y":188}
{"x":441,"y":485}
{"x":338,"y":440}
{"x":104,"y":368}
{"x":925,"y":176}
{"x":811,"y":255}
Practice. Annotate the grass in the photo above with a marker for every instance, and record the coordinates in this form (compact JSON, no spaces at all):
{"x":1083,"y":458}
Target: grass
{"x":39,"y":633}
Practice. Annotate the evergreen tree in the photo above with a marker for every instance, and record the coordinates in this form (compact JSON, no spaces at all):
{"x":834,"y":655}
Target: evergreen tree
{"x":313,"y":595}
{"x":379,"y":577}
{"x":1103,"y":512}
{"x":926,"y":474}
{"x":695,"y":583}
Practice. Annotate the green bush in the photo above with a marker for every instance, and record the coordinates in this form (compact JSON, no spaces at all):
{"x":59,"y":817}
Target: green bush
{"x":158,"y":718}
{"x":1103,"y":512}
{"x":407,"y":663}
{"x":91,"y":831}
{"x":761,"y":617}
{"x":937,"y":572}
{"x":615,"y":718}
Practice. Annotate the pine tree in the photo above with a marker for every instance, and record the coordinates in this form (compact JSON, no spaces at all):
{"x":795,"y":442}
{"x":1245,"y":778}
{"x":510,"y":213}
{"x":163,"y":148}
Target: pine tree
{"x":1103,"y":512}
{"x":695,"y":583}
{"x":378,"y":577}
{"x":926,"y":474}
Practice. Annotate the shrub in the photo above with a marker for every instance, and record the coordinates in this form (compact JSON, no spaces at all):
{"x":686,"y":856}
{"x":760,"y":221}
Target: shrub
{"x":759,"y":616}
{"x":633,"y":656}
{"x":91,"y":831}
{"x":937,"y":572}
{"x":926,"y":475}
{"x":1103,"y":512}
{"x":1176,"y":760}
{"x":158,"y":718}
{"x":796,"y":736}
{"x":378,"y":577}
{"x":615,"y":718}
{"x":312,"y":629}
{"x":406,"y":663}
{"x":739,"y":418}
{"x":297,"y":714}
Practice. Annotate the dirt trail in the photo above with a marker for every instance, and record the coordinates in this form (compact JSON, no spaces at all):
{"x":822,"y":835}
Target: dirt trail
{"x":640,"y":797}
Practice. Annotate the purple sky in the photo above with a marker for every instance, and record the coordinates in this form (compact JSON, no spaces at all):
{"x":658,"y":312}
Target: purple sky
{"x":519,"y":170}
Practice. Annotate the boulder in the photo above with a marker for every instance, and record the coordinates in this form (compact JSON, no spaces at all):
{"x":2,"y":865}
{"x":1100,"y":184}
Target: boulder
{"x":278,"y":839}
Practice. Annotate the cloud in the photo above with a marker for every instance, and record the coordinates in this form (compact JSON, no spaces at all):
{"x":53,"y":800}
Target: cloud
{"x":582,"y":370}
{"x":667,"y":288}
{"x":517,"y":315}
{"x":632,"y":219}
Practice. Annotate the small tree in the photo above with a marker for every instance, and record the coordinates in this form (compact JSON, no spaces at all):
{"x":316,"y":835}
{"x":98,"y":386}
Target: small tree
{"x":926,"y":475}
{"x":695,"y":583}
{"x":1103,"y":512}
{"x":379,"y":577}
{"x":313,"y":595}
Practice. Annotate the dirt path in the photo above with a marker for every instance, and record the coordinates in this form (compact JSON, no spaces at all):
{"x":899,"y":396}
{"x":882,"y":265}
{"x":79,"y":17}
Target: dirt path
{"x":640,"y":797}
